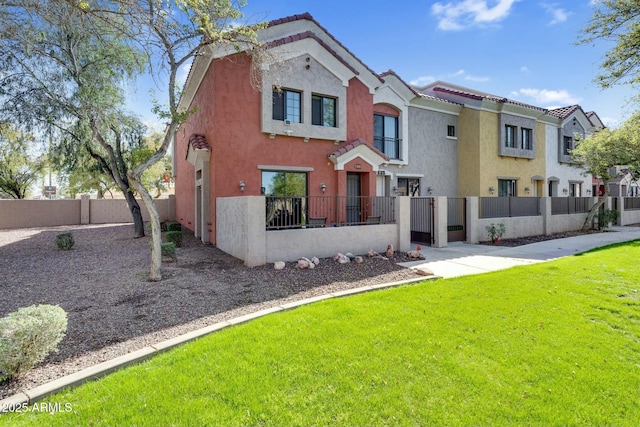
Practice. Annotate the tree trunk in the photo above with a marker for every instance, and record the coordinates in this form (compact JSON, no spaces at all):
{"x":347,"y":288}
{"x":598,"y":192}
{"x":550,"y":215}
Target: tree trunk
{"x":595,"y":208}
{"x":155,"y":273}
{"x":136,"y":213}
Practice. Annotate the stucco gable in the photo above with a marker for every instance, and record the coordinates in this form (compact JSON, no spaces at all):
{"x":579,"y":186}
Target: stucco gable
{"x":358,"y":148}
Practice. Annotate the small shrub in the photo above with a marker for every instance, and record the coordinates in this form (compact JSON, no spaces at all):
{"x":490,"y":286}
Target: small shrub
{"x":174,"y":226}
{"x":28,"y":335}
{"x":168,"y":249}
{"x":65,"y":241}
{"x":175,"y":237}
{"x":606,"y":217}
{"x":495,"y":232}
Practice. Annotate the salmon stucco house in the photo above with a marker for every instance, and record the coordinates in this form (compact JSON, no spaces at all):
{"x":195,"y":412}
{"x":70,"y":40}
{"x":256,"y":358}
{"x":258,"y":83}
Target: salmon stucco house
{"x":308,"y":130}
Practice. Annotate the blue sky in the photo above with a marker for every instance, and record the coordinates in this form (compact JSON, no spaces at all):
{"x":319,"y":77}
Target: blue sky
{"x":520,"y":49}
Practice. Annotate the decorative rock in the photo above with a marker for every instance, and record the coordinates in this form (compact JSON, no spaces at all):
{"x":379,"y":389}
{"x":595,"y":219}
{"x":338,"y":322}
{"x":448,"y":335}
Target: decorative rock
{"x":389,"y":252}
{"x":343,"y":259}
{"x":358,"y":259}
{"x":372,"y":253}
{"x":315,"y":260}
{"x":303,"y":263}
{"x":422,"y":271}
{"x":350,"y":256}
{"x":279,"y":265}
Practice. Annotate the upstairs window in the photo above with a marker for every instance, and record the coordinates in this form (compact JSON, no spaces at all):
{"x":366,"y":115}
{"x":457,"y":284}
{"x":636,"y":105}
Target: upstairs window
{"x":510,"y":136}
{"x":323,"y":111}
{"x":525,"y":138}
{"x":385,"y":135}
{"x":287,"y":105}
{"x":567,"y":145}
{"x":451,"y":131}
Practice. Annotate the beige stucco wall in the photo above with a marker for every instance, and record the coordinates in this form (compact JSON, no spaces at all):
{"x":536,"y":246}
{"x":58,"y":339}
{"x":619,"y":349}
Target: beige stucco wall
{"x":242,"y":233}
{"x":38,"y":213}
{"x":48,"y":213}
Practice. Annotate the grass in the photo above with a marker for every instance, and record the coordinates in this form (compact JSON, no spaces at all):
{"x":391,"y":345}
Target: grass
{"x":548,"y":344}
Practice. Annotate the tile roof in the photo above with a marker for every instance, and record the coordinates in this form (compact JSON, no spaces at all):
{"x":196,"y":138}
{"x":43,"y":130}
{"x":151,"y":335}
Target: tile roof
{"x":307,"y":16}
{"x":393,"y":73}
{"x":312,"y":35}
{"x":355,"y":143}
{"x":479,"y":96}
{"x":199,"y":142}
{"x":563,"y":112}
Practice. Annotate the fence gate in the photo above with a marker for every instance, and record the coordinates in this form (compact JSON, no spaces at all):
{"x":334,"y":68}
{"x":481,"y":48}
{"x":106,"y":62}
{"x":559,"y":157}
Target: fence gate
{"x":422,"y":220}
{"x":456,"y":219}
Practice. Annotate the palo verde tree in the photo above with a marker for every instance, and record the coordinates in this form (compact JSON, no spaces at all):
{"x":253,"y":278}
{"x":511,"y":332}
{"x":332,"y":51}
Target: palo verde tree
{"x":18,"y":170}
{"x":62,"y":73}
{"x":601,"y":152}
{"x":172,"y":33}
{"x":616,"y":21}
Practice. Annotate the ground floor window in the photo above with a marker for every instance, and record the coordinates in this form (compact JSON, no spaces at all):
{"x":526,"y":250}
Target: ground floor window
{"x":408,"y":187}
{"x":574,"y":189}
{"x":507,"y":188}
{"x":284,"y":184}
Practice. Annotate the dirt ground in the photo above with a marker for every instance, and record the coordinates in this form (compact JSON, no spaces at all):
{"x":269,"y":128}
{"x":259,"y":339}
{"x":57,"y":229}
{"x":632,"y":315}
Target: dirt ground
{"x":113,"y":309}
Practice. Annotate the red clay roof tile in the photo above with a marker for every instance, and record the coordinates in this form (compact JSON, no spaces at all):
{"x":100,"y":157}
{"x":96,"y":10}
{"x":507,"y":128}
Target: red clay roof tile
{"x":353,"y":144}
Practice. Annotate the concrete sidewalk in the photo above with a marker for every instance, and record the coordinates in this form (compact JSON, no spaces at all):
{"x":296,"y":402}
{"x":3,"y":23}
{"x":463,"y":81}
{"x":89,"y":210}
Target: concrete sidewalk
{"x":460,"y":259}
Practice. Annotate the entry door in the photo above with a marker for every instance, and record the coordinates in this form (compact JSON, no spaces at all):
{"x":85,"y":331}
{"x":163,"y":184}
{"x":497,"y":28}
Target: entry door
{"x":353,"y":198}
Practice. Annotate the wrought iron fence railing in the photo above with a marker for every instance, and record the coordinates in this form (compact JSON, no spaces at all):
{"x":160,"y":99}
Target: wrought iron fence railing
{"x":328,"y":211}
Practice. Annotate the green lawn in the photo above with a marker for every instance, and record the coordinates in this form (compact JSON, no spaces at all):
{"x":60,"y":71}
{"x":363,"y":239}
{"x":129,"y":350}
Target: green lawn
{"x":549,"y":344}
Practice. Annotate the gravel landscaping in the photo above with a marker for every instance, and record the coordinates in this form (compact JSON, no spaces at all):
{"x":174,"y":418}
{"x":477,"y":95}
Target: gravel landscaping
{"x":112,"y":308}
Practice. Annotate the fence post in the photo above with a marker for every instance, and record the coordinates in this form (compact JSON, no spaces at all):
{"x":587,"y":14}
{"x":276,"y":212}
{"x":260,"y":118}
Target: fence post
{"x":545,"y":210}
{"x":403,"y":222}
{"x":473,"y":213}
{"x":85,"y":213}
{"x":440,"y":222}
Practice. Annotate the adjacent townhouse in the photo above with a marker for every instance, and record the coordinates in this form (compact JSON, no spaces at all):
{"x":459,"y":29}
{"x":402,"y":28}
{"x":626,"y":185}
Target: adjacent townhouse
{"x":501,"y":143}
{"x":563,"y":127}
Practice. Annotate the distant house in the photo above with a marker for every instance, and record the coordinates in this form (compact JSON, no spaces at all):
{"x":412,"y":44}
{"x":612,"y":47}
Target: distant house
{"x":563,"y":178}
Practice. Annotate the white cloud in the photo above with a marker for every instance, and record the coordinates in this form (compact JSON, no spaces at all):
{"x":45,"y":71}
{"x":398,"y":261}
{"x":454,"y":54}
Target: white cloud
{"x":558,"y":14}
{"x":546,"y":97}
{"x":477,"y":78}
{"x":456,"y":16}
{"x":524,"y":69}
{"x":423,"y":80}
{"x":457,"y":73}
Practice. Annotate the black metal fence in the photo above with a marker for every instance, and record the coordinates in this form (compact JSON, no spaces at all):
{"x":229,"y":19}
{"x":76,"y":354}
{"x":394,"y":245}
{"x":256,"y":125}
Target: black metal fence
{"x":328,"y":211}
{"x":505,"y":207}
{"x":570,"y":205}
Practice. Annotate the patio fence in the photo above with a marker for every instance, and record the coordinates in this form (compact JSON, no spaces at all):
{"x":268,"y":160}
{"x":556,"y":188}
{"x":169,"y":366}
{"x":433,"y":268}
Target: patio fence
{"x":507,"y":207}
{"x":284,"y":213}
{"x":570,"y":205}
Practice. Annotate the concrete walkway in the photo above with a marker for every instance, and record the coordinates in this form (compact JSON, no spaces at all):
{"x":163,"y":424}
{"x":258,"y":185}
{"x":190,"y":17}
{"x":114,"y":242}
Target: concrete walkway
{"x":460,"y":259}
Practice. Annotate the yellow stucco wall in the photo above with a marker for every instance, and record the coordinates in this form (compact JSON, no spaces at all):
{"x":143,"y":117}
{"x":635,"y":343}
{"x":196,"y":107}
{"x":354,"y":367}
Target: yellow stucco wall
{"x":479,"y":162}
{"x":468,"y":153}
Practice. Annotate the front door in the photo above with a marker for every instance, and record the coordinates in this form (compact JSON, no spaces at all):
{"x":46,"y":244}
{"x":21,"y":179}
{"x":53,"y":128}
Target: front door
{"x":353,"y":198}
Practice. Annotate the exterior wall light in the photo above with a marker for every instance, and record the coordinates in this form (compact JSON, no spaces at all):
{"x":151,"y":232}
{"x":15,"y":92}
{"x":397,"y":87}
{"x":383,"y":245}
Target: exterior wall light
{"x":492,"y":190}
{"x":323,"y":187}
{"x":429,"y":190}
{"x":565,"y":191}
{"x":242,"y":185}
{"x":527,"y":189}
